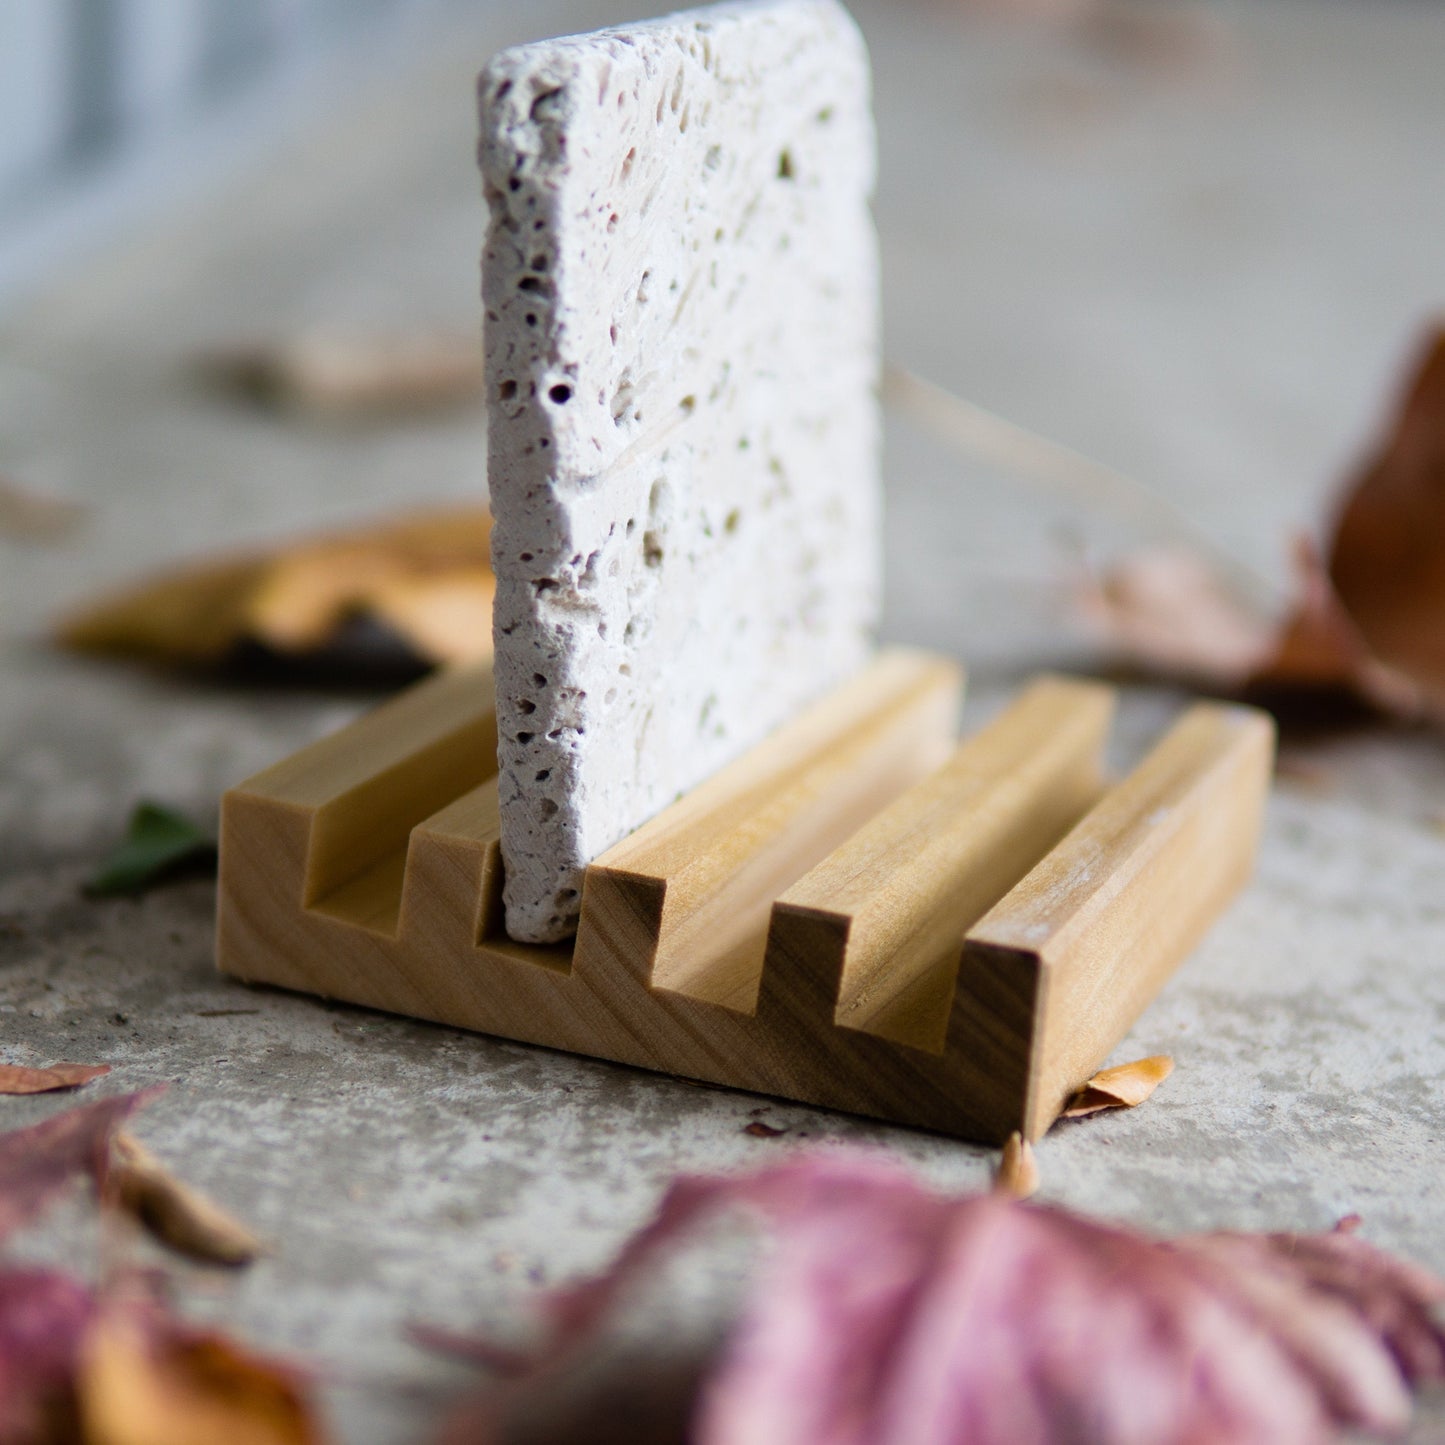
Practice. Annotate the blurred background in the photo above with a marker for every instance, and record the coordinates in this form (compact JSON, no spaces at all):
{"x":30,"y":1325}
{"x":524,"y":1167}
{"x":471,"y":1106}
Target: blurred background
{"x":107,"y":106}
{"x":1195,"y":239}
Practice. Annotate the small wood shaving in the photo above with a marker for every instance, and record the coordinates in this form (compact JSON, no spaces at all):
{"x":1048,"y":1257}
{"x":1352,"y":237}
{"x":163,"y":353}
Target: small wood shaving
{"x":1018,"y":1170}
{"x":17,"y":1079}
{"x":173,"y":1212}
{"x":1125,"y":1086}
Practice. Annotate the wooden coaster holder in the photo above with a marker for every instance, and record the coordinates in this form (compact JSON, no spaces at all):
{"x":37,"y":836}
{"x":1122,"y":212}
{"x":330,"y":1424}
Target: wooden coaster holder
{"x":860,"y":912}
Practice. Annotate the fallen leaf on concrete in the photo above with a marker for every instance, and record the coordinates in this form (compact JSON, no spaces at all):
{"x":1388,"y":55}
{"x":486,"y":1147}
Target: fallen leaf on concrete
{"x":173,"y":1212}
{"x":1125,"y":1086}
{"x":29,"y":516}
{"x":17,"y":1079}
{"x":81,"y":1366}
{"x":355,"y":377}
{"x":1168,"y":611}
{"x":38,"y":1163}
{"x":1017,"y":1176}
{"x":145,"y":1379}
{"x":887,"y":1314}
{"x":1364,"y":625}
{"x":158,"y":845}
{"x":425,"y":578}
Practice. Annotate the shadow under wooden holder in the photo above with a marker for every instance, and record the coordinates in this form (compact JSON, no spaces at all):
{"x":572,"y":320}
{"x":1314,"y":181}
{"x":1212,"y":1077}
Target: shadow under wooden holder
{"x":859,"y":913}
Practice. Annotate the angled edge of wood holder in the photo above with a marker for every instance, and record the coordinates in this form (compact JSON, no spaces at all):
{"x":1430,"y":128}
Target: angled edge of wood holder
{"x":861,"y":912}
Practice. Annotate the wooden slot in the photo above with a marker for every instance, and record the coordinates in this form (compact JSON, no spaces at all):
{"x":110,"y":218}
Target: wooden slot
{"x":1057,"y":971}
{"x":878,"y":926}
{"x":687,"y":896}
{"x":368,"y":868}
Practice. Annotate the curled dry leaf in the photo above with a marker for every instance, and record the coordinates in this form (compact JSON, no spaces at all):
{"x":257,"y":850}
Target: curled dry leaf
{"x":80,"y":1367}
{"x":426,"y":578}
{"x":887,"y":1314}
{"x":173,"y":1212}
{"x":353,"y":377}
{"x":1017,"y":1176}
{"x":1167,"y":609}
{"x":145,"y":1379}
{"x":38,"y":1163}
{"x":17,"y":1079}
{"x":1387,"y":561}
{"x":1125,"y":1086}
{"x":29,"y":516}
{"x":113,"y":1367}
{"x":1365,"y":621}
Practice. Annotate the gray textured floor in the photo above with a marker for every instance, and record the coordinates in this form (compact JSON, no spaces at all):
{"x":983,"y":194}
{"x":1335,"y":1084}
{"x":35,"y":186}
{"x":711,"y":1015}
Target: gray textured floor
{"x":1202,"y":258}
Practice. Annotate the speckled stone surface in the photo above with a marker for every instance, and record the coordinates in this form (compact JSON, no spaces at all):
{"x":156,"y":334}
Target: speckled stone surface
{"x":1201,"y":256}
{"x":681,"y":288}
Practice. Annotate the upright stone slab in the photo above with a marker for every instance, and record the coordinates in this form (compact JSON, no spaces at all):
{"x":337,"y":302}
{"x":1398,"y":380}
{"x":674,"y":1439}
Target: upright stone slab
{"x":680,"y":282}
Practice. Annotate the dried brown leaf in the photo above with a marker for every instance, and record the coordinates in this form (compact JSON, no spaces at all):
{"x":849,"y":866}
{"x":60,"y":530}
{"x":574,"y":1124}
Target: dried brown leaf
{"x":177,"y":1215}
{"x":17,"y":1079}
{"x":1387,"y":559}
{"x":891,"y":1315}
{"x":1017,"y":1176}
{"x":145,"y":1380}
{"x":1168,"y":610}
{"x":338,"y":377}
{"x":30,"y":516}
{"x":1125,"y":1086}
{"x":1363,"y":628}
{"x":426,"y":576}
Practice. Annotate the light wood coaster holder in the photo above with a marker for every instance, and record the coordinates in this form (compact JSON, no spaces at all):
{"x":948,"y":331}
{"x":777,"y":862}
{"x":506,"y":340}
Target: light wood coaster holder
{"x":860,"y":912}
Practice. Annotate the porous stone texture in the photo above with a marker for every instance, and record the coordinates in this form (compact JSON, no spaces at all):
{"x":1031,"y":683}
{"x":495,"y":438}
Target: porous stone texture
{"x":680,"y":281}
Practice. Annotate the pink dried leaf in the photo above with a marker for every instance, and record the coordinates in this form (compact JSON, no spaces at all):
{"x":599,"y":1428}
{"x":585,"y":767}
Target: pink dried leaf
{"x":43,"y":1317}
{"x":38,"y":1163}
{"x":1397,"y":1301}
{"x":469,"y":1349}
{"x":890,"y":1315}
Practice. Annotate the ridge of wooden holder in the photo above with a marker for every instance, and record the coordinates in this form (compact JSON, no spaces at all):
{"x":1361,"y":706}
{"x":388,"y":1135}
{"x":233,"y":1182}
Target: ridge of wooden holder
{"x":861,"y":912}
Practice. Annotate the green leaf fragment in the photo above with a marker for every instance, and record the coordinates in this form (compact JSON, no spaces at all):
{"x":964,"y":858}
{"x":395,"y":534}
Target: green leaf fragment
{"x":158,"y":845}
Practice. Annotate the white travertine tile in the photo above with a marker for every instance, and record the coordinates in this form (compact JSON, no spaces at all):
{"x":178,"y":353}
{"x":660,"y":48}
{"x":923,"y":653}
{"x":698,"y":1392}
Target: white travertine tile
{"x":680,"y":281}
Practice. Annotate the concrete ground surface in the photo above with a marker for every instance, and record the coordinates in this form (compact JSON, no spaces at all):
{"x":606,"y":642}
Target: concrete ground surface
{"x":1199,"y":247}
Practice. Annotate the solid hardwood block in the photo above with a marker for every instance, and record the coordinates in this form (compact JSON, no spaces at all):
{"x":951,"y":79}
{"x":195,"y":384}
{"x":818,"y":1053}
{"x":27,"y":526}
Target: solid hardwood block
{"x":368,"y":868}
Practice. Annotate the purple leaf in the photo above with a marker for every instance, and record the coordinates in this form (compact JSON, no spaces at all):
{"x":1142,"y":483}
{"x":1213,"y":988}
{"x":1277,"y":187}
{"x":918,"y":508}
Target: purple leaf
{"x":36,"y":1164}
{"x":887,"y":1314}
{"x":43,"y":1316}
